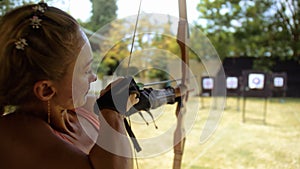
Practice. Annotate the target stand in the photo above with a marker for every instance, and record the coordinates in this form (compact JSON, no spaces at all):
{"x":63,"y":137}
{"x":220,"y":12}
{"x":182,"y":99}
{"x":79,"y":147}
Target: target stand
{"x":255,"y":84}
{"x":207,"y":86}
{"x":279,"y":84}
{"x":233,"y":88}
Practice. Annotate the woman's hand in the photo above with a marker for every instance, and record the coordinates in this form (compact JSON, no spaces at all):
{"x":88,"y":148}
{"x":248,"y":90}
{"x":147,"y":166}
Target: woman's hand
{"x":132,"y":100}
{"x":113,"y":148}
{"x":119,"y":95}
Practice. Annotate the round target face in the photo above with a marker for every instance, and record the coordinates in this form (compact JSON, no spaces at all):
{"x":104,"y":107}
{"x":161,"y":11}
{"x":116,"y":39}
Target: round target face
{"x":232,"y":82}
{"x":208,"y":83}
{"x":278,"y":82}
{"x":256,"y":81}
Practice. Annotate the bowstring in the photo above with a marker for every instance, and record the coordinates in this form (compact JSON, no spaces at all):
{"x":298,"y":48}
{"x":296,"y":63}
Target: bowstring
{"x":133,"y":38}
{"x":129,"y":60}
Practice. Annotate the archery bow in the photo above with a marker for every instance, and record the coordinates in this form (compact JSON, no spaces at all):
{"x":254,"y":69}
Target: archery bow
{"x":182,"y":40}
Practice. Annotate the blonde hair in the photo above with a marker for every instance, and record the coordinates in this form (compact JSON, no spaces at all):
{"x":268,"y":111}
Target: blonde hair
{"x":49,"y":50}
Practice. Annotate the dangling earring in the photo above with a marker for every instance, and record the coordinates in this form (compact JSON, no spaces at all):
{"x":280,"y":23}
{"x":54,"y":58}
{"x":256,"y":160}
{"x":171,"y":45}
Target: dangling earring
{"x":49,"y":112}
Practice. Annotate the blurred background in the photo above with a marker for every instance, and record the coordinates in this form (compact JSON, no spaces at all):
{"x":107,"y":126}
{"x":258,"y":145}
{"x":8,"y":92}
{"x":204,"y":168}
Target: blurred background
{"x":258,"y":47}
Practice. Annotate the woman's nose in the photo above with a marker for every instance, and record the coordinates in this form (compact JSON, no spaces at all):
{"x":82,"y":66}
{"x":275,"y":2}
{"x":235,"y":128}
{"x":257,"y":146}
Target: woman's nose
{"x":93,"y":77}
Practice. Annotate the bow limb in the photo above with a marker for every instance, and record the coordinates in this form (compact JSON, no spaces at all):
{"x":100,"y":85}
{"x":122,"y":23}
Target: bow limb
{"x":182,"y":40}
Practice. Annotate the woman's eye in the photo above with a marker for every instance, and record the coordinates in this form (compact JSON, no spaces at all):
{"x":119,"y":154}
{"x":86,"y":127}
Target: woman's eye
{"x":88,"y":72}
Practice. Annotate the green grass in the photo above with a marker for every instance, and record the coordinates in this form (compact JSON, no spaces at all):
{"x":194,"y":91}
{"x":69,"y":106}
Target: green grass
{"x":274,"y":144}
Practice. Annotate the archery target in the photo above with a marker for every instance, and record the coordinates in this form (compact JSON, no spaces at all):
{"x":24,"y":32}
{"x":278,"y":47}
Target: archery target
{"x":208,"y":83}
{"x":256,"y":81}
{"x":278,"y":82}
{"x":232,"y":82}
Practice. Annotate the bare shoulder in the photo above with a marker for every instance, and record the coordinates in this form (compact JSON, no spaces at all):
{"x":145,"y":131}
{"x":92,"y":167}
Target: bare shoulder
{"x":28,"y":142}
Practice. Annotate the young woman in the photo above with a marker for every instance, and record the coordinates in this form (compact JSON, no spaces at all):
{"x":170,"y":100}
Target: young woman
{"x":45,"y":73}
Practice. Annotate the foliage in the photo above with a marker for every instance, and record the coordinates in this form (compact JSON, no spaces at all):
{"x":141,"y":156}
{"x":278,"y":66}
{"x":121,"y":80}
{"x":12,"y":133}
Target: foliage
{"x":121,"y":32}
{"x":265,"y":28}
{"x":110,"y":56}
{"x":103,"y":12}
{"x":7,"y":5}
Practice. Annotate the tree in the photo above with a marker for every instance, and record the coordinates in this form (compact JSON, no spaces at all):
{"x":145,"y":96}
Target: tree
{"x":103,"y":12}
{"x":252,"y":28}
{"x":7,"y":5}
{"x":148,"y":48}
{"x":287,"y":21}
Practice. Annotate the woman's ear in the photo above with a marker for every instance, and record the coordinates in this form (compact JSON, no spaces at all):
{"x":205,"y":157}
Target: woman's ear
{"x":44,"y":90}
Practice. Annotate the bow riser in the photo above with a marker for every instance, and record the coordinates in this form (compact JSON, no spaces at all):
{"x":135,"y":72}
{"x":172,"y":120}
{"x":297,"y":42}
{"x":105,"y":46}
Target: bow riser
{"x":182,"y":40}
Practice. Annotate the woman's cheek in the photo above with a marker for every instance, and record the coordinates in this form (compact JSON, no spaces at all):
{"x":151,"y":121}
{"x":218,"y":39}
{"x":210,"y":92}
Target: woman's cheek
{"x":80,"y":92}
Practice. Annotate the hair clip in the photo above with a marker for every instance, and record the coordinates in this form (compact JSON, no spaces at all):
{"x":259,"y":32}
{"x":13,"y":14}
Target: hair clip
{"x":21,"y":43}
{"x":41,"y":7}
{"x":35,"y":22}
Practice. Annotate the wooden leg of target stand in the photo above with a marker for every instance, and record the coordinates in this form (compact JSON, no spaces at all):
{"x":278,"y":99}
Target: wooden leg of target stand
{"x":202,"y":102}
{"x":265,"y":110}
{"x":244,"y":107}
{"x":238,"y":104}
